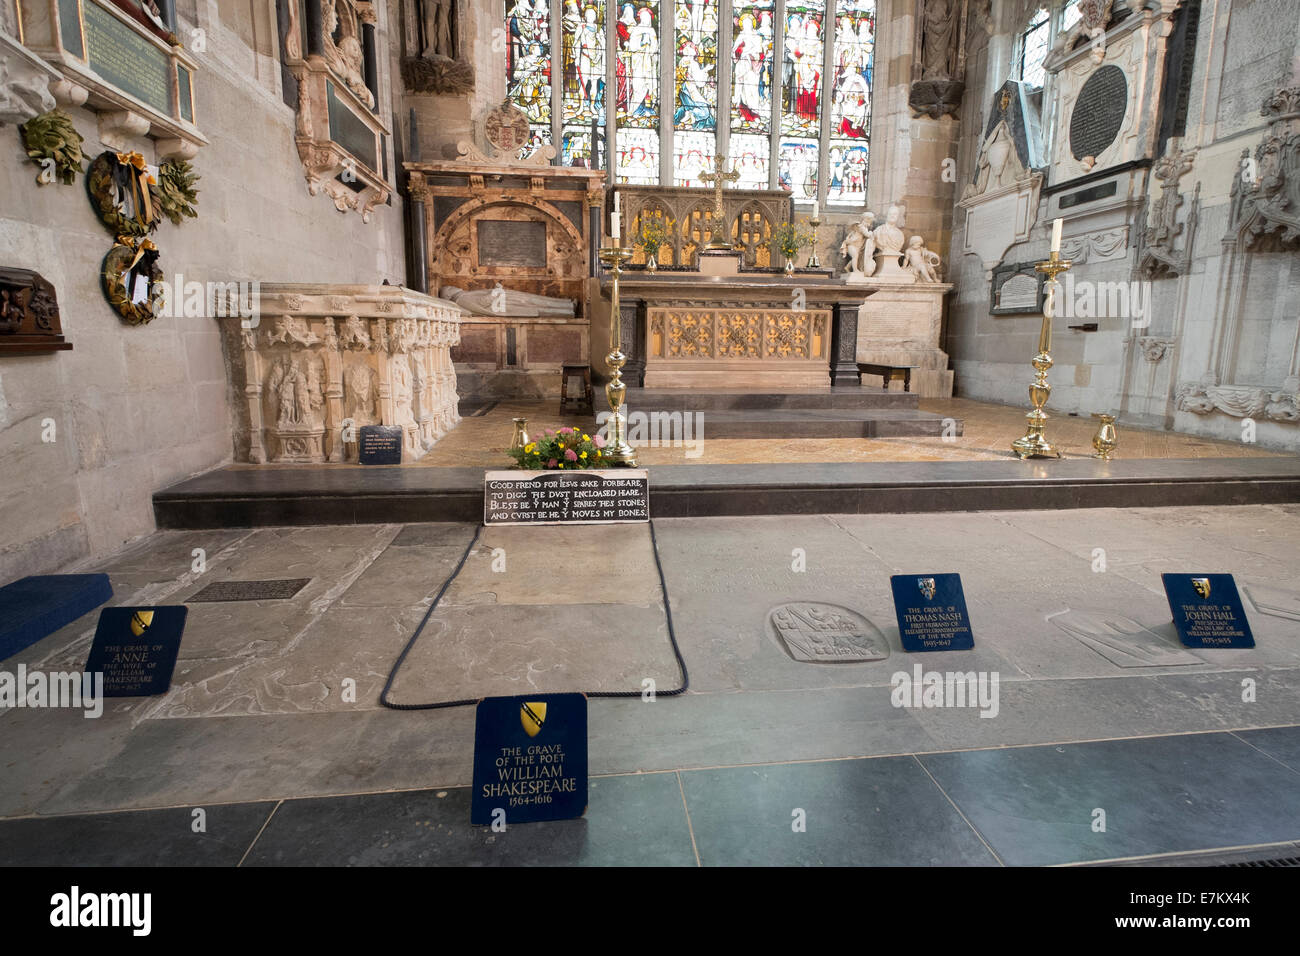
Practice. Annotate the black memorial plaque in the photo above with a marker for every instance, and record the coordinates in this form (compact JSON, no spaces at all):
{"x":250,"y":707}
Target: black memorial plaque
{"x":1098,"y":112}
{"x":1207,"y":610}
{"x":556,"y":497}
{"x":931,"y":610}
{"x":826,"y":634}
{"x":379,"y":445}
{"x":135,"y":649}
{"x":508,"y":243}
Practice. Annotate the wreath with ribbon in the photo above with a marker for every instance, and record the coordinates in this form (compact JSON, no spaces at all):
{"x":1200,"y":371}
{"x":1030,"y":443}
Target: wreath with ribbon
{"x":127,"y":262}
{"x":124,"y":194}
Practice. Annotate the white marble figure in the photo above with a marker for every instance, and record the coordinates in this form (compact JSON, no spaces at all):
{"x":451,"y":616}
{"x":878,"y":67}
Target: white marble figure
{"x":501,"y":301}
{"x":920,"y":261}
{"x":888,"y":237}
{"x":859,"y":247}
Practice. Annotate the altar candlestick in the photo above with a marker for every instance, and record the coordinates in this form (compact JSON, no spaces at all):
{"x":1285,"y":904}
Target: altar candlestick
{"x":1056,"y":235}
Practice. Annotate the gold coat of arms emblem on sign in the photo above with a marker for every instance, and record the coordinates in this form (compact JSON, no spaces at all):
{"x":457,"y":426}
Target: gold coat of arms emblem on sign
{"x":1201,"y":586}
{"x":532,"y":715}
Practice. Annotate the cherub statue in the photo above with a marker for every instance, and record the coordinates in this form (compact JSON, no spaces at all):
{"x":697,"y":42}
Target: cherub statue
{"x":920,"y":261}
{"x":859,"y":246}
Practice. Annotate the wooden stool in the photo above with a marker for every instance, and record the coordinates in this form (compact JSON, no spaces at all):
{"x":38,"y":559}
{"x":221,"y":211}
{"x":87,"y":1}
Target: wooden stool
{"x":584,"y":402}
{"x":889,"y":372}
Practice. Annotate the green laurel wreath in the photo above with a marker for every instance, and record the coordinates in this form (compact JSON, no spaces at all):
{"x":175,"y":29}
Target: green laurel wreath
{"x":52,"y":137}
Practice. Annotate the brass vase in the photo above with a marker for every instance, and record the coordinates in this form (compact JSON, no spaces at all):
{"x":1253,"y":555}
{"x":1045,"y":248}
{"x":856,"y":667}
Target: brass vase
{"x":789,"y":265}
{"x":651,"y":264}
{"x":520,"y":438}
{"x":1106,"y":440}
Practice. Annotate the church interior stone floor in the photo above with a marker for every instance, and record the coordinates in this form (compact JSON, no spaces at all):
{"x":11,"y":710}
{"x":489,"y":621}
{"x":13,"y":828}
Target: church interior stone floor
{"x":988,"y":430}
{"x":1098,"y":706}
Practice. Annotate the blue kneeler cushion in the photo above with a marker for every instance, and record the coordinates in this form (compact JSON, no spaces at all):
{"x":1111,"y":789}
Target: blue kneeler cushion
{"x":35,"y":607}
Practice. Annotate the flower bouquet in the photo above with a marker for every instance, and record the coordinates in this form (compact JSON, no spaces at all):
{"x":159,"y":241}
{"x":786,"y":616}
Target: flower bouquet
{"x":565,"y":448}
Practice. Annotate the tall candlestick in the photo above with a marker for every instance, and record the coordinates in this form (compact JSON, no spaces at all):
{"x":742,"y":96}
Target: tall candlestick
{"x":1056,"y":235}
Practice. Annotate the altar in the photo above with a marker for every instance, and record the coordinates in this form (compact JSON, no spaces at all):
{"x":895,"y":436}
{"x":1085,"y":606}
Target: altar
{"x":752,"y":331}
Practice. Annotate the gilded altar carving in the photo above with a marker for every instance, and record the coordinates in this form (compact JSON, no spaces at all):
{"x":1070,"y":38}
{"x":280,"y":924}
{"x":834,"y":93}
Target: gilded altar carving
{"x":739,"y":333}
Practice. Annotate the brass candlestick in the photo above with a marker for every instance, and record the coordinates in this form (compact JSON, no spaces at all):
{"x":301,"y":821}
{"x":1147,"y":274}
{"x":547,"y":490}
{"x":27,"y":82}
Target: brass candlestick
{"x":813,"y":261}
{"x":1033,"y":444}
{"x":616,"y":451}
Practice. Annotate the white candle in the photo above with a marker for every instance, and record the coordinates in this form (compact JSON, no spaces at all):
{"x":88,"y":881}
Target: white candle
{"x":814,"y":212}
{"x":1056,"y":235}
{"x":615,"y":202}
{"x":614,"y":220}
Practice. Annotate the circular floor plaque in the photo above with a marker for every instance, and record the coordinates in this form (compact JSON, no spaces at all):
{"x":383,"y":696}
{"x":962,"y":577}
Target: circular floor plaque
{"x":1098,"y":112}
{"x":826,"y":634}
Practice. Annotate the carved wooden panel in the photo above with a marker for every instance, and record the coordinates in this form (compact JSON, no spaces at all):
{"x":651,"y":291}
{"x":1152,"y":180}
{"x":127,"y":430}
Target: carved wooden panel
{"x":29,"y":314}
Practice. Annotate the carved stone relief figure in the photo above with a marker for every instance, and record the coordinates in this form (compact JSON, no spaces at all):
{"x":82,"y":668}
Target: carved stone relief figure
{"x":344,"y":54}
{"x":436,"y":62}
{"x":359,"y":387}
{"x":938,"y":70}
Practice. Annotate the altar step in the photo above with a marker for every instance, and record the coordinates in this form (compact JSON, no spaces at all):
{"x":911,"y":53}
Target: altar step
{"x":241,"y":496}
{"x":822,"y":413}
{"x":708,"y":399}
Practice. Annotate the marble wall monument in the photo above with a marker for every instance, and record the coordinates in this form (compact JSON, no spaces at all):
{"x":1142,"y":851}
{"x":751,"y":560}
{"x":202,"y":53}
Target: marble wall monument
{"x":322,"y":361}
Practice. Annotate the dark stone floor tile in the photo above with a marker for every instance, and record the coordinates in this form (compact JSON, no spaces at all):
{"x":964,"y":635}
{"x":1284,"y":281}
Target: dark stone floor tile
{"x":1035,"y":805}
{"x":630,"y":821}
{"x":134,"y":837}
{"x":1280,"y":743}
{"x":878,"y":812}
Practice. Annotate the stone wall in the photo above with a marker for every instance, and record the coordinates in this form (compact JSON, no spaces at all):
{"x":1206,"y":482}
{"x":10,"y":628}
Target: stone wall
{"x":1136,"y":365}
{"x":138,"y":408}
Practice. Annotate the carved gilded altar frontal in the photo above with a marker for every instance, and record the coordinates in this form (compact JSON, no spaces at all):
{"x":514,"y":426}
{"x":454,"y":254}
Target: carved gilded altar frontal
{"x":739,"y":333}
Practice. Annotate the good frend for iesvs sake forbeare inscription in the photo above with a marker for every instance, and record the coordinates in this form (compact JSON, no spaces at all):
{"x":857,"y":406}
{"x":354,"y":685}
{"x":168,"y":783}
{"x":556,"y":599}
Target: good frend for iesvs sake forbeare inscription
{"x":560,"y":497}
{"x":1207,"y":610}
{"x":931,"y":610}
{"x":530,"y":759}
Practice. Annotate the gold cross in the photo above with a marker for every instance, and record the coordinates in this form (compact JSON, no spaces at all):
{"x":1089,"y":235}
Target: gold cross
{"x":718,"y":178}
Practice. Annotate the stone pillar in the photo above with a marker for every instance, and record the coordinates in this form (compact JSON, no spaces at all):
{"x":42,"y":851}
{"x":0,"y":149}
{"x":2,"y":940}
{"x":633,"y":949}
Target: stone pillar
{"x":418,"y":268}
{"x":844,"y":344}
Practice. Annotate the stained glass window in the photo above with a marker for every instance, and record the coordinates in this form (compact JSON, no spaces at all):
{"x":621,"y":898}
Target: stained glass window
{"x":637,"y":72}
{"x":798,"y":171}
{"x":748,"y":159}
{"x":696,"y":77}
{"x":583,"y":33}
{"x":855,"y":44}
{"x":619,"y":49}
{"x":693,"y":154}
{"x":528,"y":63}
{"x":751,"y":66}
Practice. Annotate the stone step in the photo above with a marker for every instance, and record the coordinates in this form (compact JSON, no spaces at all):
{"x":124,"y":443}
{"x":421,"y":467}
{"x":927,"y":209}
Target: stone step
{"x":704,"y":399}
{"x":817,"y":423}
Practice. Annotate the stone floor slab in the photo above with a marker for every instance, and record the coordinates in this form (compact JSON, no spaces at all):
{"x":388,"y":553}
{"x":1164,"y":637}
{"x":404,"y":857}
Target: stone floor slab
{"x":630,"y":821}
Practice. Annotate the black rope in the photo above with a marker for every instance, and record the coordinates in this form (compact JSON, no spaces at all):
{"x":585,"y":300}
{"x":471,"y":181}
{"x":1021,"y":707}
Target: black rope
{"x":668,"y":614}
